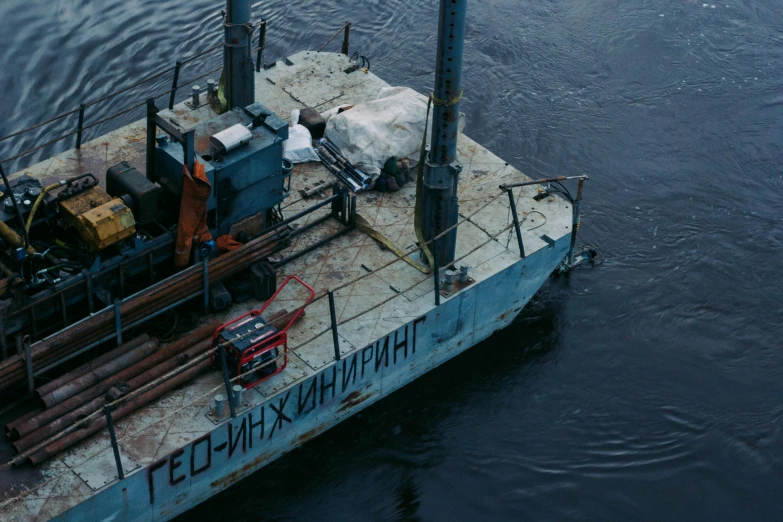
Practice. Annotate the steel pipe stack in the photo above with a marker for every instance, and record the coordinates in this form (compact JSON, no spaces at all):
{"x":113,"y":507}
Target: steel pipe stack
{"x":38,"y":426}
{"x":184,"y":285}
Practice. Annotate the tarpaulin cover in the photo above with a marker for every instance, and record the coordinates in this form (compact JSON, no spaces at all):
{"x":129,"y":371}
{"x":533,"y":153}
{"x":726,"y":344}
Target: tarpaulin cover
{"x":370,"y":133}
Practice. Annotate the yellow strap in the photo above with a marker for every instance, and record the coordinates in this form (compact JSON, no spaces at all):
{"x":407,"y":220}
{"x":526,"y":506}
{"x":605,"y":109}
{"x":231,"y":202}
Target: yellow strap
{"x":447,"y":103}
{"x":218,"y":100}
{"x":365,"y":227}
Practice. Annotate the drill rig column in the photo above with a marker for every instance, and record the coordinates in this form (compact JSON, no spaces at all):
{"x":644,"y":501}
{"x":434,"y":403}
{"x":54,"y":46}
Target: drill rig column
{"x":441,"y":175}
{"x":240,"y":88}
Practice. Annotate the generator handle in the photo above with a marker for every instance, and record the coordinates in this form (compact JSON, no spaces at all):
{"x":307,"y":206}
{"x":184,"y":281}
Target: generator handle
{"x":222,"y":327}
{"x":299,"y":312}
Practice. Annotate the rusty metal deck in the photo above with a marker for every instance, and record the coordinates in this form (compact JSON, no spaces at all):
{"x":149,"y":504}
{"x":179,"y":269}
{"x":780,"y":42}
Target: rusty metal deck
{"x":178,"y":418}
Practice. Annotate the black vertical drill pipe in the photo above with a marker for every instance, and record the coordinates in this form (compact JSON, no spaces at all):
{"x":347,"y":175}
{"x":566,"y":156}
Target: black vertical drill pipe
{"x":3,"y":342}
{"x":261,"y":44}
{"x":205,"y":279}
{"x":346,"y":38}
{"x":33,"y":321}
{"x":189,"y":150}
{"x":118,"y":321}
{"x":80,"y":128}
{"x":335,"y":338}
{"x":19,"y":345}
{"x":63,"y":309}
{"x":114,"y":445}
{"x":436,"y":271}
{"x":152,"y":130}
{"x":576,"y":215}
{"x":151,"y":267}
{"x":174,"y":83}
{"x":16,"y":206}
{"x":28,"y":360}
{"x":90,"y":302}
{"x":514,"y":214}
{"x":227,"y":380}
{"x":121,"y":274}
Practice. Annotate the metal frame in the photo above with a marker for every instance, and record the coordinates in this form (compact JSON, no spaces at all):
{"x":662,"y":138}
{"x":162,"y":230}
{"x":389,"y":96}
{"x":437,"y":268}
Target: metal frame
{"x":68,"y":293}
{"x":277,"y":339}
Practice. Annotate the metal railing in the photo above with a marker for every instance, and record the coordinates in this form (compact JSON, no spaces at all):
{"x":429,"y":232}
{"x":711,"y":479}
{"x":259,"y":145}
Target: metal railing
{"x":329,"y":294}
{"x":172,"y":92}
{"x":81,"y":127}
{"x":334,"y":324}
{"x":346,"y":30}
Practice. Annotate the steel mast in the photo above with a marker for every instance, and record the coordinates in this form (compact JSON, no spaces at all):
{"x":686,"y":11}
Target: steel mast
{"x":240,"y":88}
{"x":440,"y":202}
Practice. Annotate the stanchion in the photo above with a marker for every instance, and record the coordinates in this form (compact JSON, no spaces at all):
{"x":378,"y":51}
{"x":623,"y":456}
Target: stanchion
{"x":513,"y":205}
{"x":113,"y":437}
{"x":174,"y":85}
{"x":229,"y":393}
{"x":335,"y":338}
{"x":80,"y":128}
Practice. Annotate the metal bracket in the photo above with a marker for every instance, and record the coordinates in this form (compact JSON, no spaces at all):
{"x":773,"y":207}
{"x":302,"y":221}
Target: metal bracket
{"x":456,"y":286}
{"x":440,"y":176}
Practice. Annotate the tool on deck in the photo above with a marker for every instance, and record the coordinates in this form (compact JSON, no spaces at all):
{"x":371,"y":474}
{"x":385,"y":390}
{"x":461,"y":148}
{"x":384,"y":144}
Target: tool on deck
{"x":252,"y":343}
{"x":338,"y":165}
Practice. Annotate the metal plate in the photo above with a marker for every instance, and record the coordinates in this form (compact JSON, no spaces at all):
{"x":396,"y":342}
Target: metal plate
{"x":101,"y":470}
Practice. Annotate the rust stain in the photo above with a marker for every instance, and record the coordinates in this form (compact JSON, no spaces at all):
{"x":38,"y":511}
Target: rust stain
{"x":238,"y":474}
{"x":353,"y":399}
{"x":301,"y":439}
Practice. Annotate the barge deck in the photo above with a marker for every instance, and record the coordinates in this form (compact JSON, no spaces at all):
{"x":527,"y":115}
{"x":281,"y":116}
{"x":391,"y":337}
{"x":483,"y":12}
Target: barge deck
{"x":390,"y":330}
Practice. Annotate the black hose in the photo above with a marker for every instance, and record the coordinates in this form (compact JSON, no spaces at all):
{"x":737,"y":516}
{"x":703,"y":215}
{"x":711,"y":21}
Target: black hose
{"x":16,"y":206}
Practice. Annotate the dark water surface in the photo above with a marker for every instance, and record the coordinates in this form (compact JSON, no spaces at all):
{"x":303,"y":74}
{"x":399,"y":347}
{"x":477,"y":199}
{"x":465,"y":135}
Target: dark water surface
{"x":649,"y":388}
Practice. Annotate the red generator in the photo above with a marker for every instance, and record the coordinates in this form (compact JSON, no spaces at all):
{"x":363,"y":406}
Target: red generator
{"x":253,"y":346}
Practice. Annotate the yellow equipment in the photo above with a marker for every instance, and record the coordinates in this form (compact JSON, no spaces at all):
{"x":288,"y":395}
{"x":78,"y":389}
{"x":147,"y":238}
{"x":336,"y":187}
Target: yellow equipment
{"x":99,"y":220}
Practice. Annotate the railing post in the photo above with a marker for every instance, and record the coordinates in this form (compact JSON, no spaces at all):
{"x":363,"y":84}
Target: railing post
{"x":117,"y":321}
{"x":174,"y":83}
{"x":114,"y":445}
{"x":346,"y":38}
{"x":576,"y":218}
{"x":90,"y":301}
{"x":152,"y":130}
{"x":205,"y":279}
{"x":335,"y":338}
{"x":3,"y":342}
{"x":28,"y":361}
{"x":514,"y":214}
{"x":261,"y":45}
{"x":436,"y":271}
{"x":80,"y":128}
{"x":229,"y":393}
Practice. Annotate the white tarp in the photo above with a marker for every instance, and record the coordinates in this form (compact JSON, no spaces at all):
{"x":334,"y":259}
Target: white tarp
{"x":372,"y":132}
{"x":298,"y":148}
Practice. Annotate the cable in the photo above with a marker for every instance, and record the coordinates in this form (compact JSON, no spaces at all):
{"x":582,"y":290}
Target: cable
{"x":16,"y":205}
{"x":37,"y":203}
